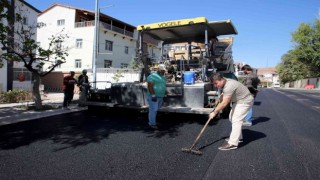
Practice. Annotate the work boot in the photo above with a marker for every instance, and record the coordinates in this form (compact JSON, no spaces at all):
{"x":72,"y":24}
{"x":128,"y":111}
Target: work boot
{"x":227,"y":146}
{"x":154,"y":127}
{"x":246,"y":124}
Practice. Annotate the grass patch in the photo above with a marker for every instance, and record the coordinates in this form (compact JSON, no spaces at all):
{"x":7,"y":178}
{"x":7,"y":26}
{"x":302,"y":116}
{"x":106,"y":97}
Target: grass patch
{"x":44,"y":107}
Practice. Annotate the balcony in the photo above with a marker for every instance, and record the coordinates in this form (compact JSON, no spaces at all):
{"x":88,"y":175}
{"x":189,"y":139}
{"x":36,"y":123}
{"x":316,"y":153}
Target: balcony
{"x":104,"y":25}
{"x":116,"y":29}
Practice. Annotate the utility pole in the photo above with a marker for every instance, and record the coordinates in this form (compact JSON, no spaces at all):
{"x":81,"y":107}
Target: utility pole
{"x":10,"y":21}
{"x":95,"y":45}
{"x":96,"y":42}
{"x":268,"y":77}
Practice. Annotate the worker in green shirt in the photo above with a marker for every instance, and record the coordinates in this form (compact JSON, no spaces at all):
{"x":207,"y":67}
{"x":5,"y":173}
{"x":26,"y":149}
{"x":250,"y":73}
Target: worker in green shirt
{"x":156,"y":92}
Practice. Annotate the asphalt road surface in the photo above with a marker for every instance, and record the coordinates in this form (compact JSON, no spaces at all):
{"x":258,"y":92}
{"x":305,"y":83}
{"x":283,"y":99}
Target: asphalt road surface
{"x":283,"y":143}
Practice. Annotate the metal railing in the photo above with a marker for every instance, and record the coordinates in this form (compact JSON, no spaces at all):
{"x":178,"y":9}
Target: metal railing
{"x":104,"y":25}
{"x":128,"y":33}
{"x":84,"y":24}
{"x":116,"y":29}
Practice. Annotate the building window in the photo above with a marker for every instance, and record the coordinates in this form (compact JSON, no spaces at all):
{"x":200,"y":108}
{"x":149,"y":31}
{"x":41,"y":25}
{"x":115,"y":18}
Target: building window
{"x":40,"y":24}
{"x":126,"y":50}
{"x":58,"y":44}
{"x":109,"y":45}
{"x":107,"y":63}
{"x":25,"y":20}
{"x":124,"y":65}
{"x":77,"y":63}
{"x":60,"y":22}
{"x":56,"y":62}
{"x":78,"y":43}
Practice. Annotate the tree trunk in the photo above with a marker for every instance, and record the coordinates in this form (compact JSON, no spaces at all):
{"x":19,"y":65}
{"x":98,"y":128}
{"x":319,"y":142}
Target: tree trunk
{"x":36,"y":92}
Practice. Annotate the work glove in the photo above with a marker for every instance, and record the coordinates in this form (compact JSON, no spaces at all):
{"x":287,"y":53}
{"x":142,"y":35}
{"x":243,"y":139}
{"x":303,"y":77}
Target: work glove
{"x":154,"y":98}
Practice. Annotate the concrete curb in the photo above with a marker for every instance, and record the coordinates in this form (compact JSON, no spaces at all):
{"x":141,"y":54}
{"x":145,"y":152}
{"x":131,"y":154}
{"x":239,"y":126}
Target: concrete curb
{"x":31,"y":115}
{"x":11,"y":115}
{"x":29,"y":103}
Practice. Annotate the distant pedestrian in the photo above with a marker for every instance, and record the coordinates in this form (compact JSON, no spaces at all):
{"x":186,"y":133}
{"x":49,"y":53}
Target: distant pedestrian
{"x":251,"y":81}
{"x":212,"y":46}
{"x":83,"y":83}
{"x":68,"y":89}
{"x":156,"y":92}
{"x":241,"y":99}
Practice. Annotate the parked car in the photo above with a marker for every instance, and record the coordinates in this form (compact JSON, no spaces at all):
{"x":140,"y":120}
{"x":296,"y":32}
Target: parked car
{"x":276,"y":85}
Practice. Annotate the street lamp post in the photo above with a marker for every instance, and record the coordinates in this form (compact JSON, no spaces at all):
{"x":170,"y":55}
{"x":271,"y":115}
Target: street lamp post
{"x":95,"y":44}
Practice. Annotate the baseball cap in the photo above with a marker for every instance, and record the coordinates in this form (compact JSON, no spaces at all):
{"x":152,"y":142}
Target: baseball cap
{"x":246,"y":67}
{"x":162,"y":67}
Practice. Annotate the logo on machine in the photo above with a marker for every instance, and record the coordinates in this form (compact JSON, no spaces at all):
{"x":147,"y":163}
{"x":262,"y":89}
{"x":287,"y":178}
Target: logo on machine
{"x":169,"y":24}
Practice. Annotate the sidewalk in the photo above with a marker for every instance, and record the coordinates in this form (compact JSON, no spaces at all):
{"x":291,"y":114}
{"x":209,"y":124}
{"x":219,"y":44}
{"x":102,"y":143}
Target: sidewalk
{"x":13,"y":113}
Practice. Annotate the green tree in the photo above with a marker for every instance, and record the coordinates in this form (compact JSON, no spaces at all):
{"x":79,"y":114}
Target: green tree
{"x":291,"y":69}
{"x":307,"y":48}
{"x":18,"y":44}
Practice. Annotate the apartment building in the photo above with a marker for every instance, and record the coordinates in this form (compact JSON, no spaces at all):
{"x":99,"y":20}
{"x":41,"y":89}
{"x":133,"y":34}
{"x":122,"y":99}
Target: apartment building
{"x":268,"y":76}
{"x":117,"y":40}
{"x":15,"y":76}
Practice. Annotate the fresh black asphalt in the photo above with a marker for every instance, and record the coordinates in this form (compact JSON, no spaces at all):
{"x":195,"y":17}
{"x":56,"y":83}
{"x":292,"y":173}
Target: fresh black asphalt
{"x":283,"y":143}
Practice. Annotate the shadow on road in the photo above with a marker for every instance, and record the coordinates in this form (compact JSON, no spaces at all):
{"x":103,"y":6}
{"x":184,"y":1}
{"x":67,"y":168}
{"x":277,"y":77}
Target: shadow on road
{"x":211,"y":143}
{"x":260,"y":120}
{"x":80,"y":129}
{"x":169,"y":123}
{"x":257,"y":103}
{"x":250,"y":136}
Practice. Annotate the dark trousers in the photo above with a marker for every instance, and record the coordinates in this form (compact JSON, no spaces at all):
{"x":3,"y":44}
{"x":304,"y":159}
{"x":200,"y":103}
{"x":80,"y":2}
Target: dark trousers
{"x":68,"y":96}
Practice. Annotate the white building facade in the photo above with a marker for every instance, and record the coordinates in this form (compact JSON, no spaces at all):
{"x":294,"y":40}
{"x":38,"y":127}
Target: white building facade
{"x":117,"y":42}
{"x":29,"y":16}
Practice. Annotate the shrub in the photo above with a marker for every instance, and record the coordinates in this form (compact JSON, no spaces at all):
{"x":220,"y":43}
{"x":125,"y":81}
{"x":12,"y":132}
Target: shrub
{"x":14,"y":96}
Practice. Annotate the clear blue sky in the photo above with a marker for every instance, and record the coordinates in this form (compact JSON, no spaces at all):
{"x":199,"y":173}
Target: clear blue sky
{"x":264,"y":26}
